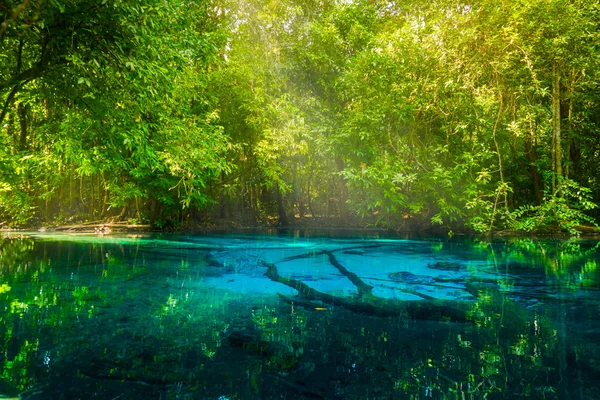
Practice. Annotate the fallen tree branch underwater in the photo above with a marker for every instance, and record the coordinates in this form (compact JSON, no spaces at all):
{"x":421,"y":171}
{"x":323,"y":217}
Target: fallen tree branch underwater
{"x":363,"y":288}
{"x":366,"y":303}
{"x":321,"y":252}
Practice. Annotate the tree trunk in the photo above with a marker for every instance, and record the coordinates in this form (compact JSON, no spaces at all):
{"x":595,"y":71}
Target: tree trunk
{"x":153,"y":207}
{"x":11,"y":96}
{"x":139,"y":213}
{"x":11,"y":130}
{"x":122,"y":214}
{"x":365,"y":303}
{"x":81,"y":191}
{"x":92,"y":209}
{"x":343,"y":189}
{"x":575,"y":157}
{"x":569,"y":135}
{"x":22,"y":111}
{"x":296,"y":195}
{"x":556,"y":139}
{"x":222,"y":211}
{"x":59,"y":199}
{"x":530,"y":150}
{"x":47,"y":202}
{"x":283,"y":220}
{"x":500,"y":165}
{"x":309,"y":197}
{"x":71,"y":192}
{"x":103,"y":201}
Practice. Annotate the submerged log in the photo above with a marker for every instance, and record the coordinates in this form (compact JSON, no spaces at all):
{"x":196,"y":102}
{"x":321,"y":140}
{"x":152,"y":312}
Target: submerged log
{"x":436,"y":310}
{"x":322,"y":252}
{"x":363,"y":288}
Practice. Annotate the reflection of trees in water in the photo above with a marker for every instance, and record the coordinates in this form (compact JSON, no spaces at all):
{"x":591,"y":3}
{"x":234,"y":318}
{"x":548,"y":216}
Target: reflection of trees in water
{"x":510,"y":349}
{"x":91,"y":319}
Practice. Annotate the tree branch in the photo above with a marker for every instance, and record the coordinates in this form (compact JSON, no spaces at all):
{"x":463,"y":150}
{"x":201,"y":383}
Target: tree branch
{"x":8,"y":102}
{"x":25,"y":76}
{"x":363,"y":288}
{"x":6,"y":23}
{"x":321,"y":252}
{"x":436,"y":310}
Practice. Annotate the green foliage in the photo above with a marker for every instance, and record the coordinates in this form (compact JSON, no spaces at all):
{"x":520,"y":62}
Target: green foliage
{"x":564,"y":210}
{"x":105,"y":100}
{"x":391,"y":114}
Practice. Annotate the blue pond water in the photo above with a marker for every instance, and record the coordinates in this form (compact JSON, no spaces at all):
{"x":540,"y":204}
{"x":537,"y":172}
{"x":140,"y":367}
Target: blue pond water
{"x":298,"y":315}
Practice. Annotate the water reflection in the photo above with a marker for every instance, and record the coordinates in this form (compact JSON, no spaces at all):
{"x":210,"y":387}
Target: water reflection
{"x":196,"y":317}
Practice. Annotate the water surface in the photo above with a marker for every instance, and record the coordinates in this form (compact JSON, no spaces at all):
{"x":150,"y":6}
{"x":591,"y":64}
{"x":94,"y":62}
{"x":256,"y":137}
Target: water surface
{"x":195,"y":317}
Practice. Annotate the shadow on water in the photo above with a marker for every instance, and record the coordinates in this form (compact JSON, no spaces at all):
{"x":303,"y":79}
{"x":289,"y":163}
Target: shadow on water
{"x":195,"y":317}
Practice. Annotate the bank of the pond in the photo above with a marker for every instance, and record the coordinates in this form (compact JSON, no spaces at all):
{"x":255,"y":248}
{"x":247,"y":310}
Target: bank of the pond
{"x":323,"y":225}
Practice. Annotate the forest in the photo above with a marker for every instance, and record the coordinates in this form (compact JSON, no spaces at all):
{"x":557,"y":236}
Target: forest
{"x":476,"y":116}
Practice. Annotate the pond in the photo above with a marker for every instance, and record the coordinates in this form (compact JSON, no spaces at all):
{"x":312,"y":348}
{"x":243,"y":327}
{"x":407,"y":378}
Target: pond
{"x":297,"y":315}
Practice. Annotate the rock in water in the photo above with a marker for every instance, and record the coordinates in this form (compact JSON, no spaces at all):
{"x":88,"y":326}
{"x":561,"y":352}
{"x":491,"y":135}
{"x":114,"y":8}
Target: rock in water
{"x":446,"y":266}
{"x":408,"y":277}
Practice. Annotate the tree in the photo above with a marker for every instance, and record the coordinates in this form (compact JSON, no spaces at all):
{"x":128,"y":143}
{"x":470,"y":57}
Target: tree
{"x":114,"y":92}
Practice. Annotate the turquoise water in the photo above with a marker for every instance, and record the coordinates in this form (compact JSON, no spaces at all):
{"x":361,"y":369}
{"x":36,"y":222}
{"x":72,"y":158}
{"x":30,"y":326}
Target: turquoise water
{"x":220,"y":317}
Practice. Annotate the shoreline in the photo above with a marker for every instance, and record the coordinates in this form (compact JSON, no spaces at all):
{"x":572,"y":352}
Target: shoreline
{"x":230,"y":227}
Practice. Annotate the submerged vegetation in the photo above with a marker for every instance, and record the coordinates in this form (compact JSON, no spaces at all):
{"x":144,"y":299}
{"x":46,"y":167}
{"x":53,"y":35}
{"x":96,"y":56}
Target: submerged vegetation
{"x":399,"y":114}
